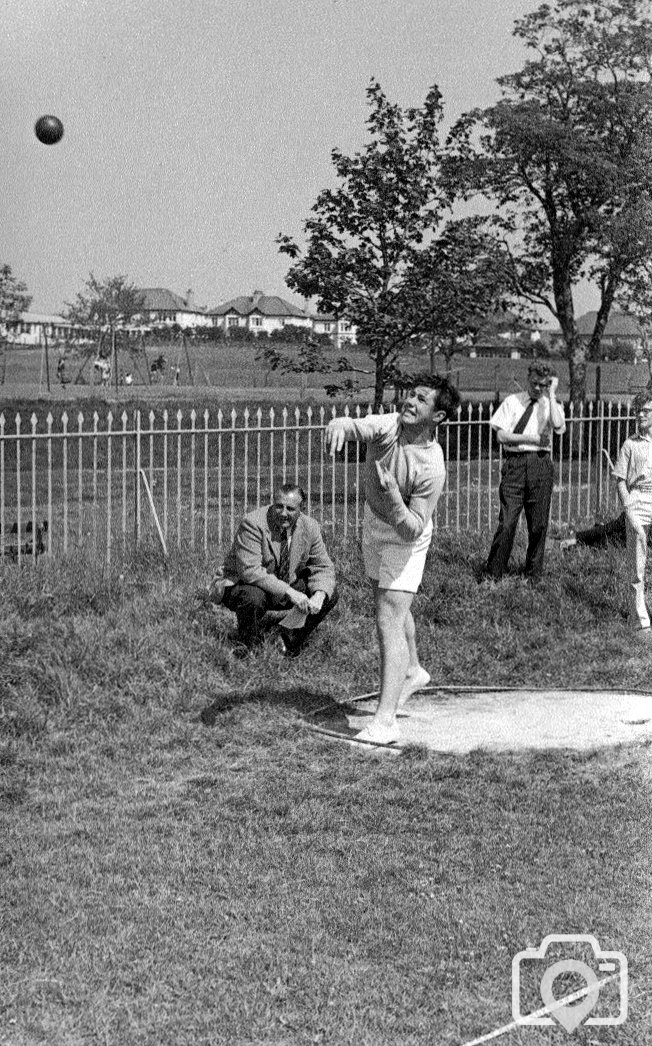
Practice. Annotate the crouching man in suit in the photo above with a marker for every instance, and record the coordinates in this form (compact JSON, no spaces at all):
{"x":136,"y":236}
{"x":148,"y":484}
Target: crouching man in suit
{"x":278,"y":562}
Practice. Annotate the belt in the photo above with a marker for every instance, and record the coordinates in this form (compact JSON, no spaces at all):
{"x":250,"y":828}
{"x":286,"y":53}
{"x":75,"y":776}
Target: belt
{"x":526,"y":453}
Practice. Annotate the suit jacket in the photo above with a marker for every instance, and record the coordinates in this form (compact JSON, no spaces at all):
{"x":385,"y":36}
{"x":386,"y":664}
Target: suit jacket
{"x":255,"y":554}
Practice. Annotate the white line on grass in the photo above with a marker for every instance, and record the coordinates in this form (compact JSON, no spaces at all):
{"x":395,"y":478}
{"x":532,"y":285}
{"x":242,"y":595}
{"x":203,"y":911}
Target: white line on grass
{"x":579,"y":994}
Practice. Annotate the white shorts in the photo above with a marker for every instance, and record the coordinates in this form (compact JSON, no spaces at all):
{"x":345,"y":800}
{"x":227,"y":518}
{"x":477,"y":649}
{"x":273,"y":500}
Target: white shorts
{"x":389,"y":560}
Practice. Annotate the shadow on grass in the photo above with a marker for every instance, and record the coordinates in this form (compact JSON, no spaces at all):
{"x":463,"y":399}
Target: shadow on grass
{"x":308,"y":703}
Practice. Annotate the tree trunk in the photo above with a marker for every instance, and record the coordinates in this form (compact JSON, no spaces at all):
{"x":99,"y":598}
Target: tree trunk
{"x":593,"y":349}
{"x":576,"y":353}
{"x":450,"y":352}
{"x":576,"y":350}
{"x":379,"y":386}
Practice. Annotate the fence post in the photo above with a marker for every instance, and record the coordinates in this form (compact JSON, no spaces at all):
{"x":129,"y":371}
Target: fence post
{"x":49,"y":421}
{"x":3,"y":521}
{"x":137,"y":520}
{"x":19,"y":508}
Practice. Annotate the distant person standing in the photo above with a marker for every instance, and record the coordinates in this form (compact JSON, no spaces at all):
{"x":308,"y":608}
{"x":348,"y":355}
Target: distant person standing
{"x":633,"y":473}
{"x":61,"y":370}
{"x":524,"y":423}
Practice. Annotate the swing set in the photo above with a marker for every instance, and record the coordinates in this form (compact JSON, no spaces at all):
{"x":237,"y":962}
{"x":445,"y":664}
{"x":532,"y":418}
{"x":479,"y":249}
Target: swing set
{"x":109,"y":354}
{"x":111,"y":360}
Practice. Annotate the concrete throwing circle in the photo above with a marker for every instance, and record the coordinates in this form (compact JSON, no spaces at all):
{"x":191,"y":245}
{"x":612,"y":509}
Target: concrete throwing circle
{"x":461,"y":719}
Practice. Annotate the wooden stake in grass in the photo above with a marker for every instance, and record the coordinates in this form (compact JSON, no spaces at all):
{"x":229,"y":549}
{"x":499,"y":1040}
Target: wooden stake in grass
{"x":154,"y":512}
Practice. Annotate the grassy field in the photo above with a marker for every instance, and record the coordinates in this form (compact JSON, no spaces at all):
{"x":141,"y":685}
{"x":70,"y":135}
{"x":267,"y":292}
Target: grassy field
{"x":233,"y":373}
{"x":186,"y":862}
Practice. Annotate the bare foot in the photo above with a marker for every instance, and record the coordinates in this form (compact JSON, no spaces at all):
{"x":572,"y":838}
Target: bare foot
{"x":378,"y":735}
{"x":411,"y":684}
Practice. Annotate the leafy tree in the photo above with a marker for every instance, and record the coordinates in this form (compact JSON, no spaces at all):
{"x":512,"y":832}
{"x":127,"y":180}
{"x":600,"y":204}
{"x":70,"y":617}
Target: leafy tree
{"x":566,"y":154}
{"x":111,"y":303}
{"x":635,"y":298}
{"x":362,"y":235}
{"x":380,"y":253}
{"x":14,"y":298}
{"x":455,"y":284}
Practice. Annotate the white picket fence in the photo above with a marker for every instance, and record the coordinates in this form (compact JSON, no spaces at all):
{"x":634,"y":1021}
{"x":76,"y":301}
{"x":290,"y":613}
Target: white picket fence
{"x":186,"y":479}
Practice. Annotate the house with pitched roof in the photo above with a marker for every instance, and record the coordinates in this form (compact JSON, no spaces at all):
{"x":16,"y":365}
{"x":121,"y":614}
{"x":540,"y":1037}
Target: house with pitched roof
{"x":622,"y":337}
{"x":340,"y":331}
{"x":259,"y":313}
{"x":164,"y":307}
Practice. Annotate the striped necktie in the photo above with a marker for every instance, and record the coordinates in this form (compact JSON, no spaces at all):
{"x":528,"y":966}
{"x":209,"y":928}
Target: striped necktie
{"x":524,"y":418}
{"x":284,"y":559}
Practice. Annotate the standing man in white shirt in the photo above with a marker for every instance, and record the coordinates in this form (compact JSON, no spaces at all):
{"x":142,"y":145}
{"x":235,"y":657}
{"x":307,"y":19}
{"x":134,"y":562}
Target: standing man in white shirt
{"x":405,"y":474}
{"x":633,"y":473}
{"x":524,"y":423}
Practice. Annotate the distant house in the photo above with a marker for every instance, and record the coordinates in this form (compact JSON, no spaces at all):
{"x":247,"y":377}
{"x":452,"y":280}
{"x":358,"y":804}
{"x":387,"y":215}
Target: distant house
{"x":260,"y":312}
{"x":165,"y":308}
{"x":622,"y":337}
{"x":257,"y":313}
{"x":340,"y":331}
{"x":30,"y":328}
{"x":505,"y":334}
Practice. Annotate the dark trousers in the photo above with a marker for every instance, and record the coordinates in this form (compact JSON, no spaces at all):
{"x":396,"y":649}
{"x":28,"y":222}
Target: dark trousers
{"x":251,"y":603}
{"x":526,"y":484}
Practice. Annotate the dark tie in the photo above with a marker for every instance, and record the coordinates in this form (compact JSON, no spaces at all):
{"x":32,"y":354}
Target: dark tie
{"x":284,"y":559}
{"x":524,"y":418}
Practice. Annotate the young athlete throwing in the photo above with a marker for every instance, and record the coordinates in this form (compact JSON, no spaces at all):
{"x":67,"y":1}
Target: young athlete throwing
{"x":405,"y":474}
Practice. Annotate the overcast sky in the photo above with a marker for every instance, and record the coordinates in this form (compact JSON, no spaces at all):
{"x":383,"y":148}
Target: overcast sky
{"x":197,"y":130}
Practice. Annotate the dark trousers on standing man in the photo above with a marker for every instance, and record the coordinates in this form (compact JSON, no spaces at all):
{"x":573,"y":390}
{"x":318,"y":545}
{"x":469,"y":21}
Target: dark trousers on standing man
{"x":525,"y":485}
{"x":251,"y":603}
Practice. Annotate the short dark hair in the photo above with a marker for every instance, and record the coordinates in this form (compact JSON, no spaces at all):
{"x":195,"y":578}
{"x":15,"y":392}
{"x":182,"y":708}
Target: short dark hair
{"x":541,"y":369}
{"x":641,"y":398}
{"x":448,"y":398}
{"x":290,"y":488}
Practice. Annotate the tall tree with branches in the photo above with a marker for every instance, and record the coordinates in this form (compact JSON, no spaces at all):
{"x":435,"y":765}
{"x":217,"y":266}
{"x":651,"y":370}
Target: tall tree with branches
{"x":566,"y":155}
{"x":103,"y":304}
{"x":380,"y":252}
{"x":361,"y":236}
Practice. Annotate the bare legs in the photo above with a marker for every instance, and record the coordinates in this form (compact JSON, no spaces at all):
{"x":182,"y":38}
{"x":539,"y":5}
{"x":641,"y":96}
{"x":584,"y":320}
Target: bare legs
{"x":411,"y":640}
{"x":416,"y":677}
{"x":400,"y":671}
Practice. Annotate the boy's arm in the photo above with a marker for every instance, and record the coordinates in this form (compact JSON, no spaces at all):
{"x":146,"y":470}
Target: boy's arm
{"x":410,"y":520}
{"x":623,"y":493}
{"x":557,"y":416}
{"x":339,"y":430}
{"x":504,"y":436}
